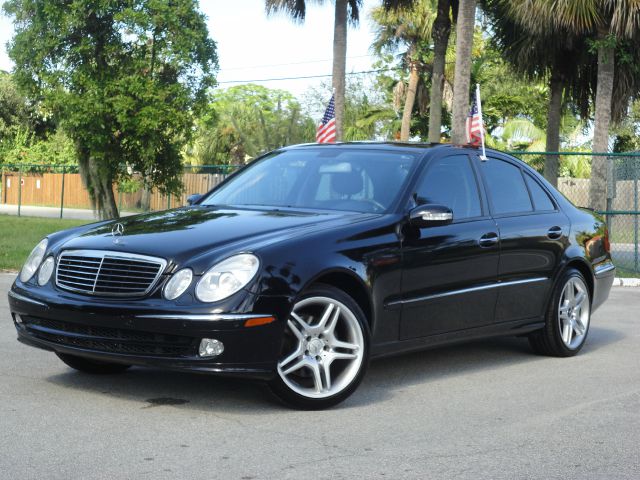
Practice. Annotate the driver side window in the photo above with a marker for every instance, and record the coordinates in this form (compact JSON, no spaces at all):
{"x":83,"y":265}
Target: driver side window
{"x":450,"y":181}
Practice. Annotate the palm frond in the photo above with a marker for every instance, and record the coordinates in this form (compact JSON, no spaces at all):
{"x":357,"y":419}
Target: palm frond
{"x":296,"y":9}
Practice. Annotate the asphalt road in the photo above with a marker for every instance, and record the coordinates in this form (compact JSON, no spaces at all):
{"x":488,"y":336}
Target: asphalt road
{"x":482,"y":410}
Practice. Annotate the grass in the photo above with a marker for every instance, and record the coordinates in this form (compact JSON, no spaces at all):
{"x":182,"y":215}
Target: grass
{"x":20,"y":234}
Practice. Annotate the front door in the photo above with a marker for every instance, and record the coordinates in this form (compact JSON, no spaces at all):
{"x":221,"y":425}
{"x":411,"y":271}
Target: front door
{"x":450,"y":272}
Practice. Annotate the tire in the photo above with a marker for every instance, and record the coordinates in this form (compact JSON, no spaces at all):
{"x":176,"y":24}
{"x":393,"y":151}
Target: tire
{"x":95,"y":367}
{"x":567,"y":319}
{"x":325,"y":351}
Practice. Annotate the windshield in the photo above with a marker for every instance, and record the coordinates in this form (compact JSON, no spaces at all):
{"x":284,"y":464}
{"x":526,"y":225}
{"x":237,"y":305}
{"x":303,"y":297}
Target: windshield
{"x":331,"y":179}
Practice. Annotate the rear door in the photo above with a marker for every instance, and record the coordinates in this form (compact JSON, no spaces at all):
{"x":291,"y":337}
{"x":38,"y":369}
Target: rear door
{"x":449,"y":272}
{"x":533,"y":235}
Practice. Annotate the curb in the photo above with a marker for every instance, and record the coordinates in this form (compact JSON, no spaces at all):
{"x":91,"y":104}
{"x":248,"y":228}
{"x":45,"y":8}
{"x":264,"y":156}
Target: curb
{"x":626,"y":282}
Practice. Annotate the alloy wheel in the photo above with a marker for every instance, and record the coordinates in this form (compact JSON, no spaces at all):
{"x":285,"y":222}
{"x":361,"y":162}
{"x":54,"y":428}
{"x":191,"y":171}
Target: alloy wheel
{"x":325,"y":348}
{"x":573,"y":312}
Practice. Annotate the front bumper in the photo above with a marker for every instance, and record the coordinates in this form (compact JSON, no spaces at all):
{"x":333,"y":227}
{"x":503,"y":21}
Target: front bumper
{"x":142,"y":333}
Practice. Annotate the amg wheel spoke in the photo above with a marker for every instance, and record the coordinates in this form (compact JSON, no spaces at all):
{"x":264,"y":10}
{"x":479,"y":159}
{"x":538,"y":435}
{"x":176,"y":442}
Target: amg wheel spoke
{"x":567,"y":332}
{"x":326,"y":372}
{"x":296,"y":366}
{"x":317,"y":376}
{"x":295,"y":331}
{"x":580,"y":298}
{"x":325,"y":316}
{"x":579,"y":326}
{"x":344,"y":356}
{"x":569,"y":293}
{"x":299,"y":351}
{"x":331,"y":325}
{"x":344,"y":345}
{"x":301,"y":322}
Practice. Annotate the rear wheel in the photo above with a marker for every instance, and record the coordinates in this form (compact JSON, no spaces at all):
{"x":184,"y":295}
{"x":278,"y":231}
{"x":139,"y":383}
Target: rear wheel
{"x":567,"y":319}
{"x":87,"y":365}
{"x":325,"y":350}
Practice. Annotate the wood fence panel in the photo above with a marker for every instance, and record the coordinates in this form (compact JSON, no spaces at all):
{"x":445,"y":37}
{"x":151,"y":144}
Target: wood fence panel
{"x":46,"y":190}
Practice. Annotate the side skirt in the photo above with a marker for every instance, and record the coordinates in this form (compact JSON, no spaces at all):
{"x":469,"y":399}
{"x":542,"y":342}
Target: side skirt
{"x":518,"y":327}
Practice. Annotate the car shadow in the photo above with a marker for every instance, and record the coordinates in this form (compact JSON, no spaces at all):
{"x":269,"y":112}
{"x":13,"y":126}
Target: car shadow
{"x":152,"y":388}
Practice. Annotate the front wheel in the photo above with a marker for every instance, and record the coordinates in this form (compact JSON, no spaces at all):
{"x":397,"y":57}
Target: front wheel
{"x":325,"y":350}
{"x":87,"y":365}
{"x":567,"y":319}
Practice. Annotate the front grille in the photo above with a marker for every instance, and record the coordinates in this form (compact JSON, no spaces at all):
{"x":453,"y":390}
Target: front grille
{"x":104,"y":273}
{"x":111,"y":340}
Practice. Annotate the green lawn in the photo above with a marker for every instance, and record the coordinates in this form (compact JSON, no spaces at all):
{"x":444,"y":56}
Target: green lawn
{"x":18,"y":236}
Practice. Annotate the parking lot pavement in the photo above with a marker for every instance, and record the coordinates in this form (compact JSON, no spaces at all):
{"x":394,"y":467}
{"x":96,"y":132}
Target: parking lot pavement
{"x":483,"y":410}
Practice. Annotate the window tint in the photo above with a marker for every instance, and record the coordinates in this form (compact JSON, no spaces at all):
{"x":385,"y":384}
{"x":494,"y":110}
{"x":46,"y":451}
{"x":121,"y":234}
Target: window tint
{"x":506,"y":187}
{"x":450,"y":181}
{"x":541,"y":198}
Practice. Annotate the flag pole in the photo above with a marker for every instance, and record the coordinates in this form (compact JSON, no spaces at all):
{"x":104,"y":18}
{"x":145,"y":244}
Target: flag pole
{"x":483,"y":156}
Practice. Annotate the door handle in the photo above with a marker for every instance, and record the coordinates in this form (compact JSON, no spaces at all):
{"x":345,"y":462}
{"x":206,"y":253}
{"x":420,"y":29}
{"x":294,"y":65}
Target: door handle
{"x":488,"y":240}
{"x":554,"y":232}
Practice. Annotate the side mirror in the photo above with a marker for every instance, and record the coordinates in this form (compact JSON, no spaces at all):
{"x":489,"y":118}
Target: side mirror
{"x":191,"y":199}
{"x":430,"y":215}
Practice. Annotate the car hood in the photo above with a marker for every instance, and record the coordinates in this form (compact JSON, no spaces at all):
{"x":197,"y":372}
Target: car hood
{"x":185,"y":234}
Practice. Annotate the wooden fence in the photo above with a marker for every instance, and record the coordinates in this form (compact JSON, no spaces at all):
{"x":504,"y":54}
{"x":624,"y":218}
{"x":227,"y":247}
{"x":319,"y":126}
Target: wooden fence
{"x":56,"y":189}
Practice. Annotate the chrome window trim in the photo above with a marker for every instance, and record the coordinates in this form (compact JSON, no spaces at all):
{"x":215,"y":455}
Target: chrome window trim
{"x":101,"y":255}
{"x":466,"y":290}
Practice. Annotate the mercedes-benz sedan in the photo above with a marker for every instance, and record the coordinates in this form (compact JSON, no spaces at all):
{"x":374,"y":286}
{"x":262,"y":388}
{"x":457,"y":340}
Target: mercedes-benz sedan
{"x":314,"y":259}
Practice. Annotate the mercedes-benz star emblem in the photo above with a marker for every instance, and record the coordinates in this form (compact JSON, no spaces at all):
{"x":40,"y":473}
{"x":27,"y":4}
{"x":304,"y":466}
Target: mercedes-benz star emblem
{"x":117,"y":230}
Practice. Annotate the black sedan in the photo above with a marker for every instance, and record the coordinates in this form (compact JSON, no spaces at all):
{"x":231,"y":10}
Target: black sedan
{"x":304,"y":265}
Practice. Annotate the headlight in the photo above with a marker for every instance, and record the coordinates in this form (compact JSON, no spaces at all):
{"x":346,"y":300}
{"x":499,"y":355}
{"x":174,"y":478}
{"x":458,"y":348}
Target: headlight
{"x":227,"y":277}
{"x":178,"y":283}
{"x":33,"y":261}
{"x":46,"y":269}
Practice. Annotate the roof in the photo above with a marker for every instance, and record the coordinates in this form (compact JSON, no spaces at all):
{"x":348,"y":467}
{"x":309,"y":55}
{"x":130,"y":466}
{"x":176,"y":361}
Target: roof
{"x":383,"y":145}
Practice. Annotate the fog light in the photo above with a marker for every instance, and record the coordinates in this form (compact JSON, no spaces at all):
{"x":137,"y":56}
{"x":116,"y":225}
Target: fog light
{"x":17,"y":318}
{"x":210,"y":347}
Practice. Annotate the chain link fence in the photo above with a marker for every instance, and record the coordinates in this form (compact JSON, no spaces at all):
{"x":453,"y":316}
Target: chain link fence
{"x":58,"y":191}
{"x":622,"y":199}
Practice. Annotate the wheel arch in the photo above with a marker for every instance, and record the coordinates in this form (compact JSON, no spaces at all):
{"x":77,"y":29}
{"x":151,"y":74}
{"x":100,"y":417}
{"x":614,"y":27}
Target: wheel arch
{"x":351,"y":284}
{"x":583,"y":267}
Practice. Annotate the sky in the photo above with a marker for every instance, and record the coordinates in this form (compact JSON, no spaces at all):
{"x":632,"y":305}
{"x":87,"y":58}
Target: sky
{"x":252,"y":46}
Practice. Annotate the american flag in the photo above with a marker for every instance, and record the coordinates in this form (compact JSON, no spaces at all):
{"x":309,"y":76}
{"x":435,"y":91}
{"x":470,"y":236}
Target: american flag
{"x":326,"y":132}
{"x":474,"y":125}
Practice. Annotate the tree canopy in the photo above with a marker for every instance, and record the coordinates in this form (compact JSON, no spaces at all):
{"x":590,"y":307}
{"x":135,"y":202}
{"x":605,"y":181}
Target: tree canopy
{"x":124,"y":79}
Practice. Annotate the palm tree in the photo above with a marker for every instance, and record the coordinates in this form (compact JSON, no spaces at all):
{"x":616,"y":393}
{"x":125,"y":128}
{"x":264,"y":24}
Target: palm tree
{"x":465,"y":27}
{"x":440,"y":32}
{"x":556,"y":55}
{"x":607,"y":22}
{"x":405,"y":26}
{"x":345,"y":11}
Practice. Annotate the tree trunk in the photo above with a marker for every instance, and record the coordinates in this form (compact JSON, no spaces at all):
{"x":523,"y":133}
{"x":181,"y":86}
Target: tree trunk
{"x":604,"y":93}
{"x":405,"y":130}
{"x":99,"y":185}
{"x":464,"y":42}
{"x":340,"y":64}
{"x":145,"y":199}
{"x":440,"y":33}
{"x":554,"y":114}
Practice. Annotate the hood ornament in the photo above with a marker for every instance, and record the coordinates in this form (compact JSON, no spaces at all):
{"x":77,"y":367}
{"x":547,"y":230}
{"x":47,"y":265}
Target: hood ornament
{"x":117,"y":230}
